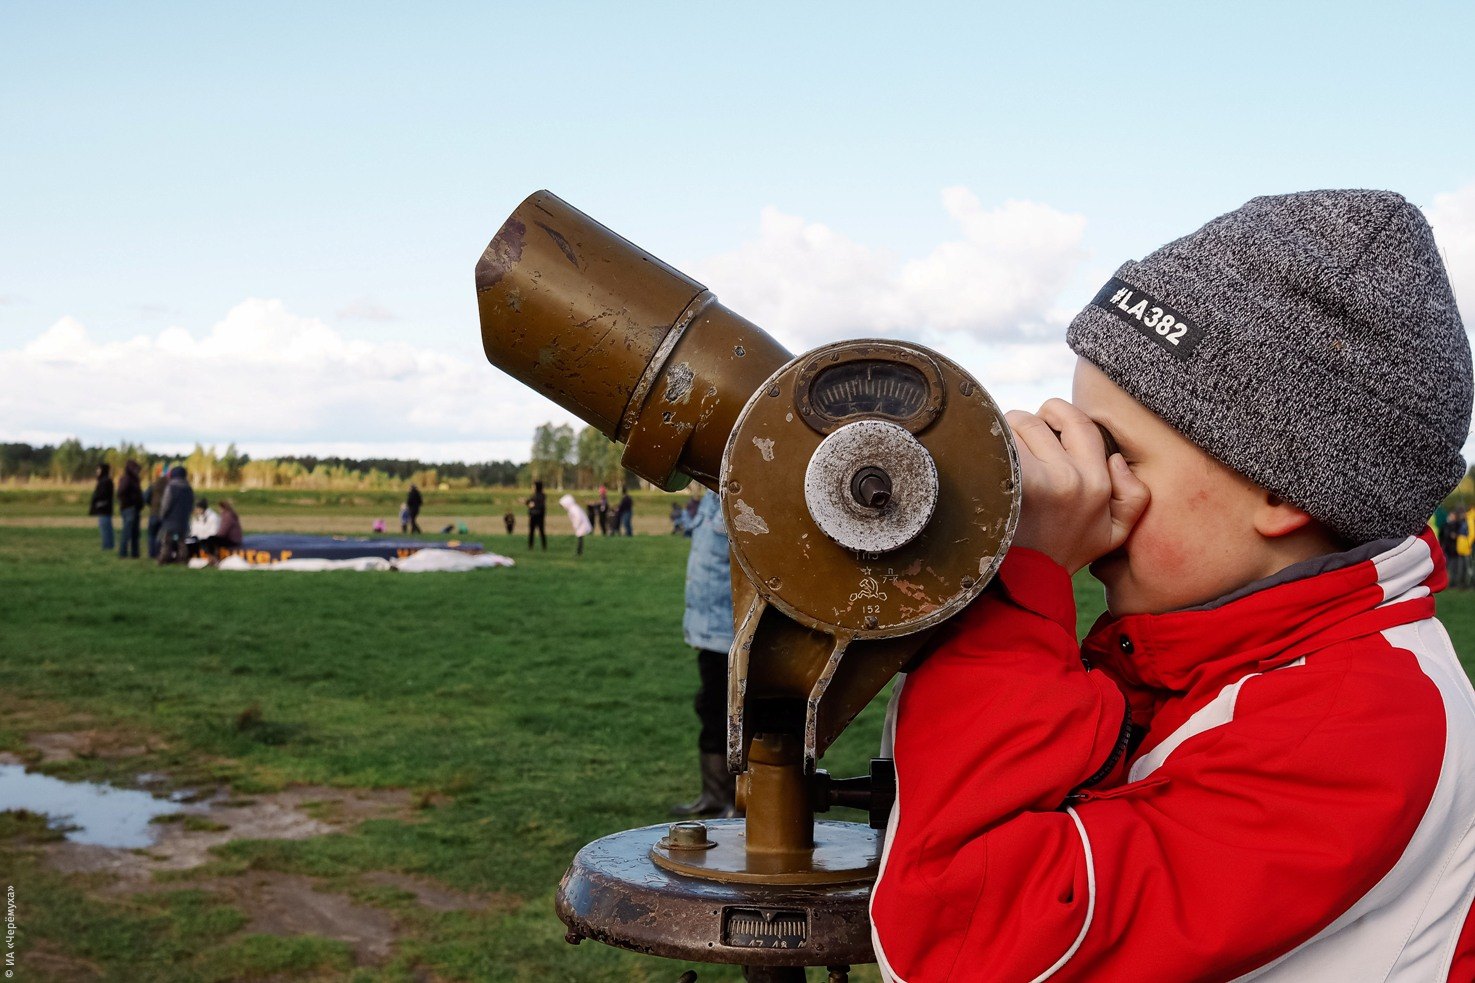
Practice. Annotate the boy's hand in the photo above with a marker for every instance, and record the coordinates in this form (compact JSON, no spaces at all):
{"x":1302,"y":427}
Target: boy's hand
{"x":1077,"y":504}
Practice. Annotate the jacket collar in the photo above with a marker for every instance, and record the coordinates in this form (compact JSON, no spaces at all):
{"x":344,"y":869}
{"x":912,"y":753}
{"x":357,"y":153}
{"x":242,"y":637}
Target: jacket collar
{"x":1270,"y":622}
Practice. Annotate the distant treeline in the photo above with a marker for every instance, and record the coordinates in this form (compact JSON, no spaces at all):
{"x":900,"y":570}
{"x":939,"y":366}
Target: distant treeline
{"x":488,"y":474}
{"x":72,"y":461}
{"x":560,"y":458}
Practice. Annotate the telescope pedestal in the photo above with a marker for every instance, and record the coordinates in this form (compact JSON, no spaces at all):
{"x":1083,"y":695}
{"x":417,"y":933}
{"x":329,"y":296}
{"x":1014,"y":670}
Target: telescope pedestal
{"x":909,"y":499}
{"x":616,"y":894}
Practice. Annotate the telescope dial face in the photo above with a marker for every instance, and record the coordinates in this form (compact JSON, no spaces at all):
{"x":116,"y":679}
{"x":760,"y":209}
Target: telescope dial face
{"x":852,"y":381}
{"x":869,"y":388}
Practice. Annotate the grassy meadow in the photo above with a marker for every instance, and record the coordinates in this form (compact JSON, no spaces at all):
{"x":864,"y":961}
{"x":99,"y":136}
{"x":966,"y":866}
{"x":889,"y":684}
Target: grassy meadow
{"x":517,"y":713}
{"x":524,"y":711}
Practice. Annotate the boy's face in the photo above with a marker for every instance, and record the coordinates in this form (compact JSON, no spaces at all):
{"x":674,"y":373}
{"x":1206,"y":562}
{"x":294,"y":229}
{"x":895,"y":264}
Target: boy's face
{"x":1196,"y":540}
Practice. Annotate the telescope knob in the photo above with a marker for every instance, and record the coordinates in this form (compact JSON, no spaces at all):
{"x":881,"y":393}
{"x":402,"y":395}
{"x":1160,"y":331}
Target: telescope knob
{"x":875,"y":793}
{"x":871,"y":486}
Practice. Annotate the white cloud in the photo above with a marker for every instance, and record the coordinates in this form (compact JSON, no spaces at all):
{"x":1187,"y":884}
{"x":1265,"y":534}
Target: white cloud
{"x":364,"y":309}
{"x":1453,"y":219}
{"x":277,"y":382}
{"x":1000,"y":280}
{"x":270,"y":380}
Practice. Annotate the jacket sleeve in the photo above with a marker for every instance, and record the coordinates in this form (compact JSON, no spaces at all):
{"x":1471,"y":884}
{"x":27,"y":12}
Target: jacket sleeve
{"x":102,"y":498}
{"x":1244,"y":843}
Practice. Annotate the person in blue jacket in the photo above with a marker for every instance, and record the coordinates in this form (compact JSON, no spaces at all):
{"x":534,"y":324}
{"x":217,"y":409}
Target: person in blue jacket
{"x":707,"y":626}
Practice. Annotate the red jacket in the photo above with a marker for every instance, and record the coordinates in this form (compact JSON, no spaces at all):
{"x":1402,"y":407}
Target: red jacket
{"x":1300,"y":807}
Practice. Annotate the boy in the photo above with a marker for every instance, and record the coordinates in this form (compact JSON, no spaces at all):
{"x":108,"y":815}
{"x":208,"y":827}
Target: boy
{"x":1261,"y":762}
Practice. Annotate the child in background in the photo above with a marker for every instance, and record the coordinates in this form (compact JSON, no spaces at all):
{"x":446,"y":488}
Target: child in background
{"x":577,"y":516}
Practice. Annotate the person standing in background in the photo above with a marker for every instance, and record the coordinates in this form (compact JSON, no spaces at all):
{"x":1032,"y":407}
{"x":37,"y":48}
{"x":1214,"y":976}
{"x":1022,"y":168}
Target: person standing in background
{"x":707,"y":626}
{"x":1450,"y":531}
{"x":155,"y":499}
{"x":102,"y":504}
{"x":1464,"y":546}
{"x":537,"y":504}
{"x":624,"y":513}
{"x":413,"y":501}
{"x":130,"y":503}
{"x":174,"y":515}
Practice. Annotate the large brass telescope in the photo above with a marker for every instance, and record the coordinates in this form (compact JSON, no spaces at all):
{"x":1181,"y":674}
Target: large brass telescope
{"x":870,"y":490}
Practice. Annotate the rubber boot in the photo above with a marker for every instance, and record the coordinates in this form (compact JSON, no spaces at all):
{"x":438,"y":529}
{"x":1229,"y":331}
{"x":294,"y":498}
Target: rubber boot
{"x":716,"y":798}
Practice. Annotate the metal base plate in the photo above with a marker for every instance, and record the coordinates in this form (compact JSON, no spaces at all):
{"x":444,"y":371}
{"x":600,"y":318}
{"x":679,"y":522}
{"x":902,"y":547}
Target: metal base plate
{"x":842,"y":853}
{"x":614,"y":894}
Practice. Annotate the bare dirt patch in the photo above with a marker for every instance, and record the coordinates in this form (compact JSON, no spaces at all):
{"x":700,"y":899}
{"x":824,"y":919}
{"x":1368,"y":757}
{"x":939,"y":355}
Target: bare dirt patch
{"x":437,"y":897}
{"x":70,"y":745}
{"x":37,"y":716}
{"x":275,"y":903}
{"x":54,"y":733}
{"x":43,"y":962}
{"x":291,"y":904}
{"x":293,"y":814}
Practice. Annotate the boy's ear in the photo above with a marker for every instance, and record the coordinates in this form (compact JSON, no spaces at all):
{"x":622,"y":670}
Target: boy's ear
{"x":1276,"y":517}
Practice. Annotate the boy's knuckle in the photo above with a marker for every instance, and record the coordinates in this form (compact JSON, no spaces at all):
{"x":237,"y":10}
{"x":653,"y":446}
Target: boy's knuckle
{"x":1071,"y":483}
{"x":1026,"y":423}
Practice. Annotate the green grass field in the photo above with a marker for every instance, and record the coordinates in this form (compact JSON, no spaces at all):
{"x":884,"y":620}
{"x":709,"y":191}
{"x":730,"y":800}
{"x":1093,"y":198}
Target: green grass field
{"x":522,"y":712}
{"x":528,"y":710}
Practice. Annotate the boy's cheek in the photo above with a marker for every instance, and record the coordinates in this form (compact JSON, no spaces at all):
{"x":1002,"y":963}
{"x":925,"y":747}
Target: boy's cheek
{"x":1161,"y":559}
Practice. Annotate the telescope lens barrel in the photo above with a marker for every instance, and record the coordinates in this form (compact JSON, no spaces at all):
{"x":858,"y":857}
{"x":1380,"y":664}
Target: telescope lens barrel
{"x":629,"y":344}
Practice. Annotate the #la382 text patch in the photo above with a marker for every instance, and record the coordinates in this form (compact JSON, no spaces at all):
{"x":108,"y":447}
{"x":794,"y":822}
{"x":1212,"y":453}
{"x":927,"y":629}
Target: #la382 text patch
{"x":1152,"y":317}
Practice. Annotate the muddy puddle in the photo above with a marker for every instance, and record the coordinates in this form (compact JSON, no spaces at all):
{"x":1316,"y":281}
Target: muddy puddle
{"x":90,"y":813}
{"x":177,"y":830}
{"x":130,"y":835}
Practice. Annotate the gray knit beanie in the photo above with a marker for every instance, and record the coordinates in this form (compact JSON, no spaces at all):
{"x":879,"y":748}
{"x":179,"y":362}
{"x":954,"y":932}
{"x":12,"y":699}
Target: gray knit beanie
{"x":1309,"y":341}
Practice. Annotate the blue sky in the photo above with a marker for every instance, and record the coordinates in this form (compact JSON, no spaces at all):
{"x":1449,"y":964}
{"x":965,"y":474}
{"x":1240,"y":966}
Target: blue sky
{"x":283,"y":203}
